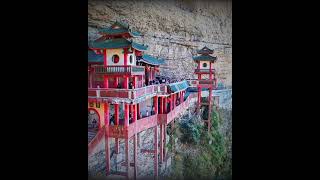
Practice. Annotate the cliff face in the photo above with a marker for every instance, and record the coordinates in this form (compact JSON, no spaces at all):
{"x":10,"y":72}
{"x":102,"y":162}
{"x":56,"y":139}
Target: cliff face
{"x":174,"y":30}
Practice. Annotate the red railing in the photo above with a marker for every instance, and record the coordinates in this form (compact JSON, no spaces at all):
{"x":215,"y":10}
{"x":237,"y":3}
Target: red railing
{"x":122,"y":93}
{"x":120,"y":131}
{"x":95,"y":141}
{"x":204,"y":70}
{"x":136,"y":70}
{"x":167,"y":118}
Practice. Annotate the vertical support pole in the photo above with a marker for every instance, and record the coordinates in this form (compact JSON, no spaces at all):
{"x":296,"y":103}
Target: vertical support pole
{"x":138,"y":139}
{"x":164,"y":140}
{"x":126,"y":82}
{"x":134,"y":113}
{"x":181,"y":96}
{"x":126,"y":115}
{"x":165,"y":106}
{"x":106,"y":82}
{"x":161,"y":143}
{"x":135,"y":150}
{"x":209,"y":109}
{"x":210,"y":72}
{"x":155,"y":104}
{"x":135,"y":81}
{"x":106,"y":114}
{"x":116,"y":81}
{"x":127,"y":160}
{"x":138,"y":110}
{"x":171,"y":102}
{"x":107,"y":144}
{"x":155,"y":145}
{"x":116,"y":113}
{"x":161,"y":105}
{"x":199,"y":98}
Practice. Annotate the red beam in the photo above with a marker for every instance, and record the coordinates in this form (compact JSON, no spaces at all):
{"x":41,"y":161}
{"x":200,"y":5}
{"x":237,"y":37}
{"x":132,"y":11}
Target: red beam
{"x":127,"y":159}
{"x":155,"y":145}
{"x":107,"y":149}
{"x":135,"y":167}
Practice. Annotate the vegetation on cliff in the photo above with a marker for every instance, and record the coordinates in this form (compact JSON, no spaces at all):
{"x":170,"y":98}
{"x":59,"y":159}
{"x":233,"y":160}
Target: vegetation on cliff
{"x":199,"y":154}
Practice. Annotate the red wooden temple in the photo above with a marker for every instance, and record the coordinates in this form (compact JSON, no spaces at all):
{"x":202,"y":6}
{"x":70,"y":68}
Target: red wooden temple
{"x":206,"y":80}
{"x":123,"y":99}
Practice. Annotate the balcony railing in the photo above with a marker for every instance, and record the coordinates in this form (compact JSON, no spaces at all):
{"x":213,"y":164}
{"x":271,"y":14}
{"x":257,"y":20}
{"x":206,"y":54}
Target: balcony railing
{"x":125,"y":93}
{"x":204,"y":70}
{"x":167,"y":118}
{"x":120,"y":131}
{"x":133,"y":70}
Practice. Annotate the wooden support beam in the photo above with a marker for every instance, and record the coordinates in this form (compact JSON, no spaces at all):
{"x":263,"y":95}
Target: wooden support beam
{"x":127,"y":157}
{"x":161,"y":143}
{"x":116,"y":116}
{"x":126,"y":115}
{"x":164,"y":139}
{"x":155,"y":145}
{"x":107,"y":149}
{"x":135,"y":149}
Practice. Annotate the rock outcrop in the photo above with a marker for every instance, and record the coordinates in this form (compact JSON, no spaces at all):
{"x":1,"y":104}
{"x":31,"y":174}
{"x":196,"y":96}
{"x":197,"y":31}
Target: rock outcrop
{"x":173,"y":30}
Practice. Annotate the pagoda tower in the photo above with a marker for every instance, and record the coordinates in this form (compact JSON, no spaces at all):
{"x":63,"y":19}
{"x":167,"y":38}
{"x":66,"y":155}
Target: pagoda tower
{"x":206,"y":80}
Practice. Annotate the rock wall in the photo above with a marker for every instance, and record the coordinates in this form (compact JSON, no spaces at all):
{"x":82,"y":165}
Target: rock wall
{"x":174,"y":30}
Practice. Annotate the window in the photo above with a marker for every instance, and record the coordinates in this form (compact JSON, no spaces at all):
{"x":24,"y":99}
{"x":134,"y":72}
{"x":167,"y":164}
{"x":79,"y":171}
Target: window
{"x":130,"y":59}
{"x":204,"y":65}
{"x":115,"y":58}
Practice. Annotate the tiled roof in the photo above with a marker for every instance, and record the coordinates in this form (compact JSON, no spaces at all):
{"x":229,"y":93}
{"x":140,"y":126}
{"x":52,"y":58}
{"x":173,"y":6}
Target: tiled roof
{"x":204,"y":58}
{"x":205,"y":50}
{"x":123,"y":28}
{"x":94,"y":58}
{"x":151,"y":60}
{"x":117,"y":43}
{"x":175,"y":87}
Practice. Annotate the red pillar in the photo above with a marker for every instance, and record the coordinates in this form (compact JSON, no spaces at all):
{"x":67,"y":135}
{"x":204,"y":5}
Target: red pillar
{"x":155,"y":101}
{"x":107,"y":144}
{"x":174,"y":99}
{"x":116,"y":117}
{"x":210,"y":105}
{"x":106,"y":83}
{"x":135,"y":150}
{"x":155,"y":145}
{"x":161,"y":143}
{"x":199,"y":97}
{"x":126,"y":115}
{"x":161,"y":105}
{"x":210,"y":73}
{"x":106,"y":116}
{"x":165,"y":105}
{"x":134,"y":113}
{"x":125,"y":57}
{"x":138,"y":111}
{"x":135,"y":81}
{"x":171,"y":101}
{"x":126,"y":82}
{"x":164,"y":140}
{"x":116,"y":81}
{"x":127,"y":160}
{"x":105,"y":58}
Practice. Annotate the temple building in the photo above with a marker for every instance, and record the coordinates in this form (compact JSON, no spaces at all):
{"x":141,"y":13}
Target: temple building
{"x":124,"y":100}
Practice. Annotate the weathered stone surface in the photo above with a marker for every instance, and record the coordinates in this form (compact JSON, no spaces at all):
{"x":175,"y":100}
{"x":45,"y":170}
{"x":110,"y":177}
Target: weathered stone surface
{"x":173,"y":30}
